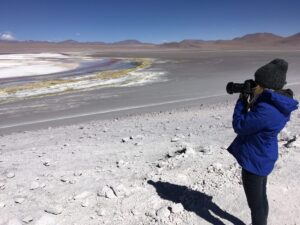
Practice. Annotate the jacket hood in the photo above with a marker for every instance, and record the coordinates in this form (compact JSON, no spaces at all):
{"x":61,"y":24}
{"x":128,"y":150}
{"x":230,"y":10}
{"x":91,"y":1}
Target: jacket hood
{"x":282,"y":100}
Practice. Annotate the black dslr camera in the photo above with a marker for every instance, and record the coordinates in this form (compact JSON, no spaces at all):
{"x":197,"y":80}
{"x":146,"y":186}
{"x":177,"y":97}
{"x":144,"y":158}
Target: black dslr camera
{"x":245,"y":88}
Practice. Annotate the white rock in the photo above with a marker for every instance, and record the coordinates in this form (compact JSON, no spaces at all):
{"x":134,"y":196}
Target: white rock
{"x":77,"y":173}
{"x":64,"y":179}
{"x":177,"y":208}
{"x":151,"y":214}
{"x":107,"y":192}
{"x":85,"y":203}
{"x":175,"y":139}
{"x":126,"y":139}
{"x":27,"y":219}
{"x":163,"y":212}
{"x":162,"y":164}
{"x":2,"y":204}
{"x":294,"y":142}
{"x":217,"y":166}
{"x":72,"y":181}
{"x":46,"y":220}
{"x":138,"y":143}
{"x":120,"y":190}
{"x":54,"y":209}
{"x":288,"y":145}
{"x":34,"y":185}
{"x":180,"y":136}
{"x":285,"y":135}
{"x":14,"y":222}
{"x":2,"y":186}
{"x":46,"y":162}
{"x":204,"y":149}
{"x":101,"y":212}
{"x":82,"y":195}
{"x":135,"y":212}
{"x":224,"y":147}
{"x":120,"y":163}
{"x":171,"y":154}
{"x":19,"y":200}
{"x":189,"y":150}
{"x":218,"y":117}
{"x":10,"y":175}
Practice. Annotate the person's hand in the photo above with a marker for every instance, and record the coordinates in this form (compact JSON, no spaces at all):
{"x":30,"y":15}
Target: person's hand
{"x":244,"y":96}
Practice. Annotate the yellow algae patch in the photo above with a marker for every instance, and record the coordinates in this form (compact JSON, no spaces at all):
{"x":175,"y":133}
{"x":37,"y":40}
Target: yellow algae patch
{"x":141,"y":64}
{"x":35,"y":85}
{"x":144,"y":63}
{"x":105,"y":75}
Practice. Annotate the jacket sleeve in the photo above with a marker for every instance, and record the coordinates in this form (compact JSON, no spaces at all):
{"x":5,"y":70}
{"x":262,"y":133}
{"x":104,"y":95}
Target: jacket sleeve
{"x":246,"y":123}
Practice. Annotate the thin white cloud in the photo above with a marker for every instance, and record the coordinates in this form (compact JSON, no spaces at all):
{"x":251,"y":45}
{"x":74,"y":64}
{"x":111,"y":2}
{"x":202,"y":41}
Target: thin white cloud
{"x":77,"y":34}
{"x":7,"y":36}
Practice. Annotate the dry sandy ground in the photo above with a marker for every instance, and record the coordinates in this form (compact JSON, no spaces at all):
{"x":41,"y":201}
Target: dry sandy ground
{"x":159,"y":168}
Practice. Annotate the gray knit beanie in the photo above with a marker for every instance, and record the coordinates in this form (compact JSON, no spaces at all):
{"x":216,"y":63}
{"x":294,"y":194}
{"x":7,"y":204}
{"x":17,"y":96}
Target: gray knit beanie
{"x":272,"y":75}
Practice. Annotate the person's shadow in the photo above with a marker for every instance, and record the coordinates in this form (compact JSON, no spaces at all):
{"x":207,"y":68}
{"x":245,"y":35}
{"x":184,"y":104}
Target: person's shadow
{"x":195,"y":201}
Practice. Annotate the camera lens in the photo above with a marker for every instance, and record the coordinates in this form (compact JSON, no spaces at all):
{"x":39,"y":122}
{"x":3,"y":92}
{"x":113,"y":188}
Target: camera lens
{"x":229,"y":88}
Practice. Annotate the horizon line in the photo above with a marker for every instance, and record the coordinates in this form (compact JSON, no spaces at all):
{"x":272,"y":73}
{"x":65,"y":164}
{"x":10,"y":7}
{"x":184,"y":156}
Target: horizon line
{"x":142,"y":42}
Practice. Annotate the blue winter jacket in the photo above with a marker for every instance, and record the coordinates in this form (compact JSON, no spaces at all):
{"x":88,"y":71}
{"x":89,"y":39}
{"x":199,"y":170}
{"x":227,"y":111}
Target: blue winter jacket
{"x":256,"y":146}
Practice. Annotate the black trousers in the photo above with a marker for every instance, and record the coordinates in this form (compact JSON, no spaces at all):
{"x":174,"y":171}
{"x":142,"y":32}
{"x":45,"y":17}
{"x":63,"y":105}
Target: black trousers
{"x":255,"y":188}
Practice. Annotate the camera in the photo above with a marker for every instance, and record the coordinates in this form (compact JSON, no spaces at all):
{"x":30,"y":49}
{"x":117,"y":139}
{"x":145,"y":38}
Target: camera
{"x":244,"y":88}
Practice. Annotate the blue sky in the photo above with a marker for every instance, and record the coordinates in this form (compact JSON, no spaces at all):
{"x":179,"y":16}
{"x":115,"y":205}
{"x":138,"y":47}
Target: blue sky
{"x":146,"y":20}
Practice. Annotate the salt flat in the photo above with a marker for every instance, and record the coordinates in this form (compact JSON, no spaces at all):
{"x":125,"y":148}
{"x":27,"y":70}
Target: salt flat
{"x":22,"y":65}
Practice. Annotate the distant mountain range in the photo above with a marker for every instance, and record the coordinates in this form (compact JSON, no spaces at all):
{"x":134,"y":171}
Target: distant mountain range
{"x":249,"y":41}
{"x":70,"y":41}
{"x":125,"y":42}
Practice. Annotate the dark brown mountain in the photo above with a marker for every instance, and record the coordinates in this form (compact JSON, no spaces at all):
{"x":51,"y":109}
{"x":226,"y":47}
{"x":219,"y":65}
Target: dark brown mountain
{"x":73,"y":42}
{"x":258,"y":38}
{"x":187,"y":43}
{"x":70,"y":41}
{"x":294,"y":39}
{"x":130,"y":42}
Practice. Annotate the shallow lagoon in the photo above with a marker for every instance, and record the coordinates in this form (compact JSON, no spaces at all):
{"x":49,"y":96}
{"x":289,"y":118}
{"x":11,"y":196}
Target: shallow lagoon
{"x":24,"y":68}
{"x":28,"y":75}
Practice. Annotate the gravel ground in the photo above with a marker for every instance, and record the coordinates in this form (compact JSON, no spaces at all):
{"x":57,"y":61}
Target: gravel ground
{"x":153,"y":168}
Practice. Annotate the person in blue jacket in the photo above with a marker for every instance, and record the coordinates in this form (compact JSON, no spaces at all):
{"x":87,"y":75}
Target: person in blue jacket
{"x":257,"y":124}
